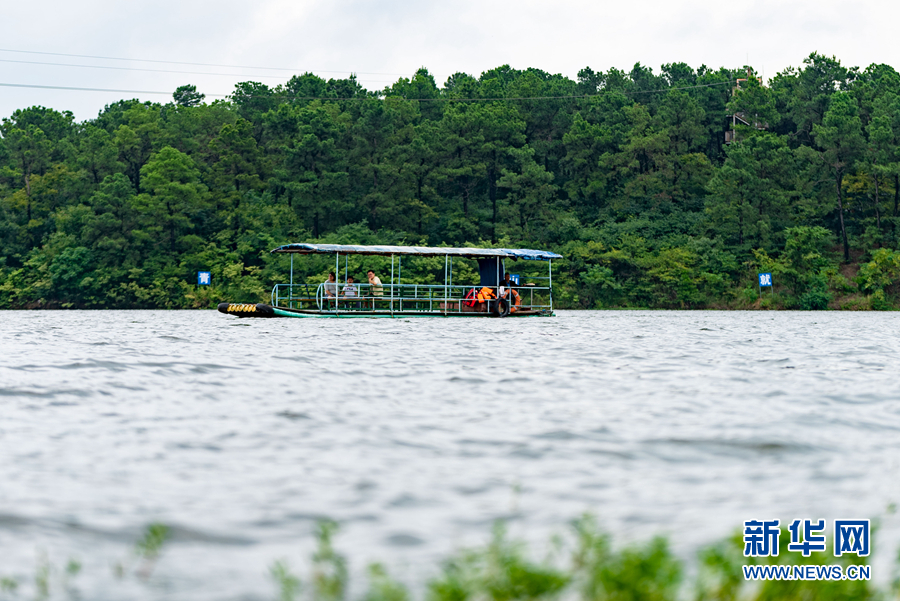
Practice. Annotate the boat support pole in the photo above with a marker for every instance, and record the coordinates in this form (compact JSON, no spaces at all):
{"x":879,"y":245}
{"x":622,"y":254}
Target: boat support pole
{"x":497,"y":290}
{"x":450,"y":282}
{"x":392,"y":285}
{"x":337,"y":279}
{"x":446,"y":257}
{"x":550,"y":263}
{"x":291,"y":293}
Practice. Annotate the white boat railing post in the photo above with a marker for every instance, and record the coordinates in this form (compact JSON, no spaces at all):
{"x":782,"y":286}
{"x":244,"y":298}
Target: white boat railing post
{"x":399,"y":276}
{"x":347,"y":275}
{"x":337,"y":280}
{"x":550,"y":278}
{"x":392,"y":285}
{"x":449,"y":282}
{"x":446,"y":302}
{"x":509,"y":298}
{"x":291,"y":290}
{"x":497,"y":287}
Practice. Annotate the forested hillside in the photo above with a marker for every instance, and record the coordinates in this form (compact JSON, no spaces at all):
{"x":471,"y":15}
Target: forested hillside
{"x":627,"y":174}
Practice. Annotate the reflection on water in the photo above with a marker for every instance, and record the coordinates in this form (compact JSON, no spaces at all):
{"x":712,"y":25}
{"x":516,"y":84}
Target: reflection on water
{"x":417,"y":434}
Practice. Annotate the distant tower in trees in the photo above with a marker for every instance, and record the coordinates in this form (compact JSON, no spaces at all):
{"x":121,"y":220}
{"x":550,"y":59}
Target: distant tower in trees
{"x":740,"y":117}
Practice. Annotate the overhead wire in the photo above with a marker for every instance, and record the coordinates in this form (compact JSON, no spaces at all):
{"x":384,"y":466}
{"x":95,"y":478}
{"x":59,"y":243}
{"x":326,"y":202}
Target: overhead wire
{"x":362,"y":97}
{"x":78,"y":89}
{"x":245,"y":75}
{"x":254,"y":76}
{"x":6,"y":60}
{"x":143,"y":60}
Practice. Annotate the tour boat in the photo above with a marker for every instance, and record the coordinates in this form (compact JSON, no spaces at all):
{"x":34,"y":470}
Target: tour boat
{"x":497,"y":293}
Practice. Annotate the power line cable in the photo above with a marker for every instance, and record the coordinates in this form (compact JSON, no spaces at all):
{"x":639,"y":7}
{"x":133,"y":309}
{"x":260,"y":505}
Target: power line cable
{"x":6,"y":60}
{"x":140,"y":60}
{"x":26,"y":85}
{"x":362,"y":97}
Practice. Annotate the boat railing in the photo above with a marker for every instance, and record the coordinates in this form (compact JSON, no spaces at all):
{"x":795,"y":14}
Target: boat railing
{"x":424,"y":298}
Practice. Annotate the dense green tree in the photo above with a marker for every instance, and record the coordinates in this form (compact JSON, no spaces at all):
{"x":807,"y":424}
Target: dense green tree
{"x":95,"y":152}
{"x":598,"y":130}
{"x":188,"y":96}
{"x":841,"y":141}
{"x":311,"y":170}
{"x":749,"y":195}
{"x":882,"y":156}
{"x":804,"y":94}
{"x":30,"y":150}
{"x":174,"y":195}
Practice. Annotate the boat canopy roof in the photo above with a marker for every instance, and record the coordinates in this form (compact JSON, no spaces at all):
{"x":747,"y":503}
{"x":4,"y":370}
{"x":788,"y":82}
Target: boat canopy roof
{"x":422,"y":251}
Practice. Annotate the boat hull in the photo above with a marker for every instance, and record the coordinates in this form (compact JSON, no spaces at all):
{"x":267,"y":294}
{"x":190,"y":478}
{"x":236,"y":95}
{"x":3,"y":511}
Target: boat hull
{"x":268,"y":311}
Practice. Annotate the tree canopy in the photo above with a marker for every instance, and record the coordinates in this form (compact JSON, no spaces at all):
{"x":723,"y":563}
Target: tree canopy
{"x":667,"y":189}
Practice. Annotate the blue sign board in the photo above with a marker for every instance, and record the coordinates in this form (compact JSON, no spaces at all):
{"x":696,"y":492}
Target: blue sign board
{"x":514,"y":278}
{"x":204,"y":278}
{"x":765,"y":279}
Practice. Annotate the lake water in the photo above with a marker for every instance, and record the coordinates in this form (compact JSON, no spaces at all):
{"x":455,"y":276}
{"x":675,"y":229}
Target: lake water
{"x":416,"y":435}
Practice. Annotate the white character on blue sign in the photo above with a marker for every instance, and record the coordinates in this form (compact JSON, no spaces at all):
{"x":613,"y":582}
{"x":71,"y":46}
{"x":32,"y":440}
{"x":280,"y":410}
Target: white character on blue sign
{"x":851,"y":537}
{"x":203,"y":278}
{"x":812,"y":539}
{"x":765,"y":279}
{"x":761,"y":538}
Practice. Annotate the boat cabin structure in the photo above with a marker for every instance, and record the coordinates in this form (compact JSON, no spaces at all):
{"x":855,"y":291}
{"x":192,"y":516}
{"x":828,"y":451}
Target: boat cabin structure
{"x":496,"y":293}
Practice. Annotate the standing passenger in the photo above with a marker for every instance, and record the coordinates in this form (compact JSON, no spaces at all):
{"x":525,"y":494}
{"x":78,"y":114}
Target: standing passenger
{"x":376,"y":287}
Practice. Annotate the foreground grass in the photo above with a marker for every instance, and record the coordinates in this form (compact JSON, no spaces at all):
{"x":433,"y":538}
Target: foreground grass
{"x":585,"y":567}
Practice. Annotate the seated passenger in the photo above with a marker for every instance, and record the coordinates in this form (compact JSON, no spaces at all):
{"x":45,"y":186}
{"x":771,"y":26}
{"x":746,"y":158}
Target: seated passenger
{"x":507,"y":290}
{"x":330,"y":287}
{"x":506,"y":285}
{"x":350,"y":290}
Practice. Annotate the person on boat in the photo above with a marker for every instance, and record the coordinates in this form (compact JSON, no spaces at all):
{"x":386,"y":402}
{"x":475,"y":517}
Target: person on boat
{"x":350,"y":290}
{"x":376,"y":288}
{"x":331,"y":286}
{"x":507,"y":290}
